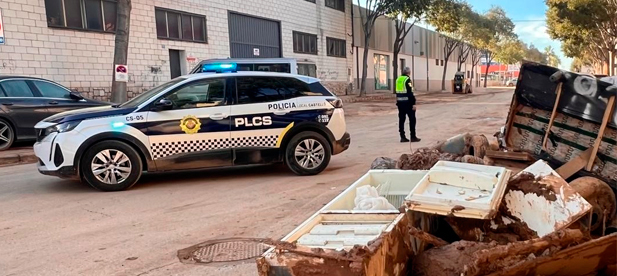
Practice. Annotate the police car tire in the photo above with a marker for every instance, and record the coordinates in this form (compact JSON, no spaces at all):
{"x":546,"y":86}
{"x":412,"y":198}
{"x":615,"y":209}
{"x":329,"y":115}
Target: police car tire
{"x":134,"y":158}
{"x":290,"y":159}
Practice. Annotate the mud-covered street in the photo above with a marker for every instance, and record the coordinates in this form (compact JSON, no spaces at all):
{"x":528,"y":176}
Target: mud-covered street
{"x":50,"y":226}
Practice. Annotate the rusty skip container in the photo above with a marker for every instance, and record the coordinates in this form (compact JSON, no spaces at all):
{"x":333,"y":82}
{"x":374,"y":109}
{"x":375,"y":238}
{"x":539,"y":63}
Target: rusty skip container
{"x":340,"y":241}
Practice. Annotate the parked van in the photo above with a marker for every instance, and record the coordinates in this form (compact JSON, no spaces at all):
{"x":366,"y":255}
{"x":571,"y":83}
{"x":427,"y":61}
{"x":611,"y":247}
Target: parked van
{"x":279,"y":65}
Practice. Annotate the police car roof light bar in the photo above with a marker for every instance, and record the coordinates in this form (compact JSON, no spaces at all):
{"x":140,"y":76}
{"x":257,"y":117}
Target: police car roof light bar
{"x":220,"y":67}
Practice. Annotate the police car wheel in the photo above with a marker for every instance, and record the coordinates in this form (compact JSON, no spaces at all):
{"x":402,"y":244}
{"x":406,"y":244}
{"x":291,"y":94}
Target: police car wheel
{"x":111,"y":166}
{"x":7,"y":135}
{"x":308,"y":153}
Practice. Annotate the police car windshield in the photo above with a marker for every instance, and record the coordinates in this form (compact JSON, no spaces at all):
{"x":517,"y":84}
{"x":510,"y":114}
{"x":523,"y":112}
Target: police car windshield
{"x":143,"y":97}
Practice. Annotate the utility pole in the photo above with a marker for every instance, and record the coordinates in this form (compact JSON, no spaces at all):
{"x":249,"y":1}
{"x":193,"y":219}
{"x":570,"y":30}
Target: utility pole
{"x":121,"y":50}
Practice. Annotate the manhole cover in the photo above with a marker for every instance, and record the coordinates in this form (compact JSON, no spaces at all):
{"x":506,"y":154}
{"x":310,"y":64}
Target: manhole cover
{"x":223,"y":251}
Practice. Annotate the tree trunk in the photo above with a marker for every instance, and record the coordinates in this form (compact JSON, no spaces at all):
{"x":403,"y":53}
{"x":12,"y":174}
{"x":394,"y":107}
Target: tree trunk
{"x":364,"y":66}
{"x":118,"y":89}
{"x":443,"y":78}
{"x":488,"y":65}
{"x":395,"y":64}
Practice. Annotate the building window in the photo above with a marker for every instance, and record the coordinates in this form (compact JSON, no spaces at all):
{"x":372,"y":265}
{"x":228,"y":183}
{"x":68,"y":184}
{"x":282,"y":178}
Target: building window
{"x":442,"y":62}
{"x":178,"y":25}
{"x":305,"y":43}
{"x":307,"y":69}
{"x":336,"y":47}
{"x":382,"y":72}
{"x":93,"y":15}
{"x":437,"y":62}
{"x":336,"y":4}
{"x":312,"y":1}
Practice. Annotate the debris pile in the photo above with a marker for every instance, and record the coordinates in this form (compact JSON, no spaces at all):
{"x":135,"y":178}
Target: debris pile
{"x":462,"y":212}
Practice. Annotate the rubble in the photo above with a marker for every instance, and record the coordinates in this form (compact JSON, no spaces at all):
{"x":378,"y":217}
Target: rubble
{"x":482,"y":258}
{"x":601,"y":198}
{"x":424,"y":236}
{"x":449,"y":260}
{"x":499,"y":257}
{"x":383,"y":163}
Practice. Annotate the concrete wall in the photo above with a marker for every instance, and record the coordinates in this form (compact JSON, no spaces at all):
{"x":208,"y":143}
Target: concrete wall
{"x":419,"y":71}
{"x":423,"y":51}
{"x":83,"y":60}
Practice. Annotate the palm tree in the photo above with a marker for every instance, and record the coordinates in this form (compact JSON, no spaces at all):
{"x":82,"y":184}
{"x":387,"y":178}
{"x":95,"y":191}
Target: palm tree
{"x":551,"y":58}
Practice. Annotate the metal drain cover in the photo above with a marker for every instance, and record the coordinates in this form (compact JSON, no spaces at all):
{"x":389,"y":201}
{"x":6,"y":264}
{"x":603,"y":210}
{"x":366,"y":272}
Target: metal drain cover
{"x":229,"y":250}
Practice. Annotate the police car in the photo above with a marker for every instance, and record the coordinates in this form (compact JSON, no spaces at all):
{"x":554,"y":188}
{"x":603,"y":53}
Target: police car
{"x":214,"y":119}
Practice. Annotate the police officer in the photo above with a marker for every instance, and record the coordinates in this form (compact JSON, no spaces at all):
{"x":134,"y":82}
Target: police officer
{"x":406,"y":103}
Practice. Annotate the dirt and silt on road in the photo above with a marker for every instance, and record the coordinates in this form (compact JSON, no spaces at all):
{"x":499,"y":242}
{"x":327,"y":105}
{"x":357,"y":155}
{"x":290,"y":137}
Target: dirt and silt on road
{"x":56,"y":227}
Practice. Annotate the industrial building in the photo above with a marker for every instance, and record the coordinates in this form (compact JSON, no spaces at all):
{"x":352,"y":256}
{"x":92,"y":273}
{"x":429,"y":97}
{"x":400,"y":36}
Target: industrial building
{"x":72,"y":41}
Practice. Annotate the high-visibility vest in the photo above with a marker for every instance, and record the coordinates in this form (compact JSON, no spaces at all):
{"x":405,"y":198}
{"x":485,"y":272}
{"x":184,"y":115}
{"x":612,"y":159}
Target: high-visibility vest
{"x":401,"y":90}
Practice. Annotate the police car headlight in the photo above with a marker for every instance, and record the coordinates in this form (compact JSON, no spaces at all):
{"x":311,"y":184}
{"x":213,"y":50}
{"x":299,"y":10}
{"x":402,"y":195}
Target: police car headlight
{"x":60,"y":128}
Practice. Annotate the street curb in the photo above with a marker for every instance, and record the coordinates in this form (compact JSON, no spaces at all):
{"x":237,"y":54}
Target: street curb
{"x":17,"y":159}
{"x":378,"y":97}
{"x":353,"y":99}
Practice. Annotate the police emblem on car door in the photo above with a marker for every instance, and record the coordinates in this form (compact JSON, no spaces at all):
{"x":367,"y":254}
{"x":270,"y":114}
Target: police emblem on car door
{"x":189,"y":127}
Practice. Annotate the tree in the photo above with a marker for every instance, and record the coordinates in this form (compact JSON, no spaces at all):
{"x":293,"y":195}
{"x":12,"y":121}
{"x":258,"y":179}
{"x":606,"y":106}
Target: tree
{"x":586,"y":28}
{"x":463,"y":54}
{"x":373,"y":10}
{"x":511,"y":51}
{"x":121,"y":49}
{"x":479,"y":36}
{"x":501,"y":29}
{"x":577,"y":65}
{"x":533,"y":54}
{"x":488,"y":57}
{"x":472,"y":31}
{"x":401,"y":12}
{"x":445,"y":16}
{"x":476,"y":55}
{"x":551,"y":58}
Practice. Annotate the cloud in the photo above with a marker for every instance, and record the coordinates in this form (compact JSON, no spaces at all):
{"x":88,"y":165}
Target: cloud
{"x":534,"y":30}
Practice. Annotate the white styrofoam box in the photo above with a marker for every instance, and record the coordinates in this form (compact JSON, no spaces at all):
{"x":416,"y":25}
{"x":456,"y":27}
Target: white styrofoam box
{"x":477,"y":188}
{"x":394,"y":185}
{"x":341,"y":236}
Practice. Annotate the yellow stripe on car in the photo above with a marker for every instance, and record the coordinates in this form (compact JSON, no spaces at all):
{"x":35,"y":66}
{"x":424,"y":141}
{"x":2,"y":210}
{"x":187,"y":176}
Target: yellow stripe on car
{"x":280,"y":140}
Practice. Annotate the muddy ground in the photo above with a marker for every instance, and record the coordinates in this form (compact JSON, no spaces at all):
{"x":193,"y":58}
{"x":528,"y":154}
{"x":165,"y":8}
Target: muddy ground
{"x":50,"y":226}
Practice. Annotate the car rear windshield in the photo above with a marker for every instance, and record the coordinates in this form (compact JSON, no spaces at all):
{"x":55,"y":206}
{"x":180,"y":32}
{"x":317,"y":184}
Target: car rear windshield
{"x":317,"y":89}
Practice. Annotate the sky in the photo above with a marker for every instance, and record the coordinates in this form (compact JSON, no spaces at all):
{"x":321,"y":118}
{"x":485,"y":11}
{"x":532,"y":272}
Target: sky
{"x":530,"y":20}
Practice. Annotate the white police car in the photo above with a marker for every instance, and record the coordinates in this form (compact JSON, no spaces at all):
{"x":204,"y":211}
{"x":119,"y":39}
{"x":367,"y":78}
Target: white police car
{"x":197,"y":121}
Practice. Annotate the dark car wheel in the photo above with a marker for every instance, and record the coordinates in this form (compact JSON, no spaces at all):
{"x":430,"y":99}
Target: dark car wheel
{"x":111,"y":166}
{"x":7,"y":135}
{"x":308,"y":153}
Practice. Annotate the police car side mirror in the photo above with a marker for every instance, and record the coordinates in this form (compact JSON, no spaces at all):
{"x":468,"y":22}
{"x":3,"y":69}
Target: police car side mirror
{"x":163,"y":104}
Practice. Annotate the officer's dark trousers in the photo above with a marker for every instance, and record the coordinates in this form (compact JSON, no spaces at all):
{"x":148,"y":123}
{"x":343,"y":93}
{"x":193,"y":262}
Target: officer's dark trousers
{"x":405,"y":110}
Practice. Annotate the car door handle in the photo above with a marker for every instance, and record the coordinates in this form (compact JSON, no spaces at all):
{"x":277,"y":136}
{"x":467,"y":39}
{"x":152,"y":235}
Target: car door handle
{"x":218,"y":116}
{"x":280,"y":112}
{"x":53,"y":102}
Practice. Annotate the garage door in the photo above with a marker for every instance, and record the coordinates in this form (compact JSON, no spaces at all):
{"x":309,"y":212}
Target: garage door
{"x":252,"y":37}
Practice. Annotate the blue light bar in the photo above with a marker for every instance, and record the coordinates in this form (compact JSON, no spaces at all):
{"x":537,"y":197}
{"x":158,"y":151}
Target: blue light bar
{"x":220,"y":67}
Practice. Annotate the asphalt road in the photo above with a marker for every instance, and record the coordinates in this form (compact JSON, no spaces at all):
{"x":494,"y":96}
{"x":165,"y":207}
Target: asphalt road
{"x":50,"y":226}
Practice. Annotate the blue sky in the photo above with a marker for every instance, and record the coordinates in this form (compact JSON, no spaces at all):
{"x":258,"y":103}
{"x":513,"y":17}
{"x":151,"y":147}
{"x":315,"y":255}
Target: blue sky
{"x":530,"y":19}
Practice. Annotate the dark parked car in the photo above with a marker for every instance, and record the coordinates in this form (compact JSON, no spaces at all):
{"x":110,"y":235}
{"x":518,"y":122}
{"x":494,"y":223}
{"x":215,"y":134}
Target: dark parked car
{"x":24,"y":101}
